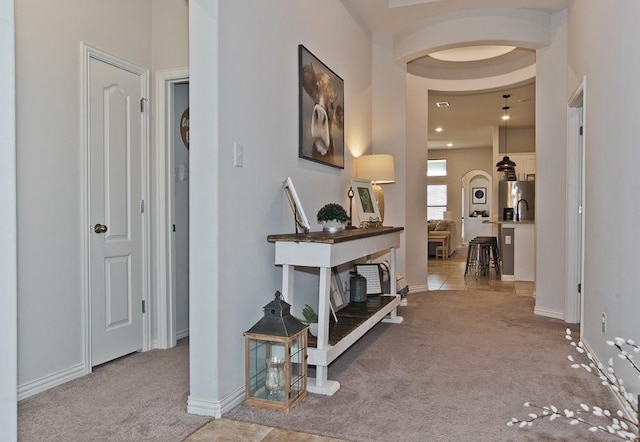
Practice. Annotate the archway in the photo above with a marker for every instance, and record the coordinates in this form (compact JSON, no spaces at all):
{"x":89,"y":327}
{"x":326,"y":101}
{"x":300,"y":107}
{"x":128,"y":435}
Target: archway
{"x":477,"y":201}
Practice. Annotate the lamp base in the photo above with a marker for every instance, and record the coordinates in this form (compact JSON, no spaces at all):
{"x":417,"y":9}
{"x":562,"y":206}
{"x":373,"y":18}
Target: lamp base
{"x":379,"y":194}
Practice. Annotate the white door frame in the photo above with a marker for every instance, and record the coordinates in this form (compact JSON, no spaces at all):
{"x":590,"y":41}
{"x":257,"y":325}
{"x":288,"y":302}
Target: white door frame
{"x":574,"y":260}
{"x":89,"y":52}
{"x":165,"y":298}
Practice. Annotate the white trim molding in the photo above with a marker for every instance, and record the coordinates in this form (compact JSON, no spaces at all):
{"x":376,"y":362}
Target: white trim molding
{"x":216,"y":409}
{"x":549,"y":313}
{"x":574,"y":257}
{"x":165,"y":297}
{"x":53,"y":380}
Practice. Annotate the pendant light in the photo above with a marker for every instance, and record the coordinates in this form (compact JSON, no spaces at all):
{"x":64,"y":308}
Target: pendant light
{"x":506,"y":165}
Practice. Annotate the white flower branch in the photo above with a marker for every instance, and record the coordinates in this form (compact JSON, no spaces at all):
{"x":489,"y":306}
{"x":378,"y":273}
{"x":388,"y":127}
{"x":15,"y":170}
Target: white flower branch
{"x":618,"y":425}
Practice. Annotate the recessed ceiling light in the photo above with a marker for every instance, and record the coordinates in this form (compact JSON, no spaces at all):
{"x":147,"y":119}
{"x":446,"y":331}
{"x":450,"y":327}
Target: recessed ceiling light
{"x":449,"y":144}
{"x":439,"y":129}
{"x":505,"y":117}
{"x":471,"y":53}
{"x":442,"y":104}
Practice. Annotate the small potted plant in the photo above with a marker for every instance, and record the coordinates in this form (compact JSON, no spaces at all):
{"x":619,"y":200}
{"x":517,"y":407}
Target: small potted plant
{"x":332,"y":216}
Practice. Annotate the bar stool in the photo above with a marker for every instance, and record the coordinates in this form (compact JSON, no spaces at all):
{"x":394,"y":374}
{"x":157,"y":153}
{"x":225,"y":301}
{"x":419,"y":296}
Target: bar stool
{"x":481,"y":250}
{"x":493,"y":249}
{"x":441,"y":252}
{"x":473,"y":257}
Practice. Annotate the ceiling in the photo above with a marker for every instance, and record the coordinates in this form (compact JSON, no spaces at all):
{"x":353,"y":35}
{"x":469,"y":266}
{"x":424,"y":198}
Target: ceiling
{"x":393,"y":16}
{"x":469,"y":120}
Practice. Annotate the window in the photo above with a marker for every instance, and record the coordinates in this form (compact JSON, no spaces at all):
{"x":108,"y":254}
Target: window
{"x":436,"y":167}
{"x":436,"y":201}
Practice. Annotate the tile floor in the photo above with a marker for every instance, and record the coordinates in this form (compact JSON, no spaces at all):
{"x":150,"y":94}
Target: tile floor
{"x":228,"y":430}
{"x":442,"y":275}
{"x":448,"y":274}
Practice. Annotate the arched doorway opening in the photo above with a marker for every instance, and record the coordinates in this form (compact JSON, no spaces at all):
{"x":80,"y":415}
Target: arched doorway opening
{"x":477,"y":201}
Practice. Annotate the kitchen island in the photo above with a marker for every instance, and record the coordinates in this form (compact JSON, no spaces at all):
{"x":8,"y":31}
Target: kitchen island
{"x":517,"y":249}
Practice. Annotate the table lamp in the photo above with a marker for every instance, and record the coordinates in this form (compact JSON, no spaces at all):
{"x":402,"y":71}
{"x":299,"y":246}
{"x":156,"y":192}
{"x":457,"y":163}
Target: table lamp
{"x":380,"y":169}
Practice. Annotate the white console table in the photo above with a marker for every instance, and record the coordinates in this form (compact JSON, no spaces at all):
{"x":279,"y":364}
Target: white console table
{"x":327,"y":250}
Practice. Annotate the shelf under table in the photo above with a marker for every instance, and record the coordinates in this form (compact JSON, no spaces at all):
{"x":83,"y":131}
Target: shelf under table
{"x":351,"y":317}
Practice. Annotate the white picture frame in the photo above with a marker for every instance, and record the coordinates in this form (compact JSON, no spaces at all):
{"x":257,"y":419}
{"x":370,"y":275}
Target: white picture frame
{"x":339,"y":299}
{"x":373,"y":276}
{"x":299,"y":216}
{"x":365,"y":200}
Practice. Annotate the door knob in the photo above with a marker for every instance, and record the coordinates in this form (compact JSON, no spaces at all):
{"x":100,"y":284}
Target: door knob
{"x":99,"y":228}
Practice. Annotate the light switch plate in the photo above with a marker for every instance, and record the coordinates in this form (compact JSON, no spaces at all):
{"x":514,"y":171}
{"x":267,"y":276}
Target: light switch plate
{"x":507,"y":239}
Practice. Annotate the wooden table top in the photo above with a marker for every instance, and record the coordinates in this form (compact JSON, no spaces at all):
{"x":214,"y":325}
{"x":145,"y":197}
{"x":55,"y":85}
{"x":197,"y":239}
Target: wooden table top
{"x":333,"y":238}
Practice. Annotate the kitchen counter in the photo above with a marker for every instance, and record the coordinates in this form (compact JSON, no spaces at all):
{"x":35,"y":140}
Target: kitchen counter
{"x":517,"y":249}
{"x":524,"y":221}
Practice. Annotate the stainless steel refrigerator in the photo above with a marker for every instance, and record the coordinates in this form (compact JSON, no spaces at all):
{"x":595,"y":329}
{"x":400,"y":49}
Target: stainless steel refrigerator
{"x":517,"y":198}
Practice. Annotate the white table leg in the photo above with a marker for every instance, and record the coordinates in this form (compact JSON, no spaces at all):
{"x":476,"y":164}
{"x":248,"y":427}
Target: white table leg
{"x":287,"y":283}
{"x":393,"y":316}
{"x":320,"y":384}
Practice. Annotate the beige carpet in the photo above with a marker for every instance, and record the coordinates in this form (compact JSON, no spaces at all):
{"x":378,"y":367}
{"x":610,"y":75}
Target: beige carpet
{"x":141,"y":397}
{"x":459,"y":367}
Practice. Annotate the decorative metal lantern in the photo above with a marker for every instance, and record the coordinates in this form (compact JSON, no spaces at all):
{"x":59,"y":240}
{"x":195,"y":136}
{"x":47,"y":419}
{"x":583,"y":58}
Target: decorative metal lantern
{"x":276,"y":359}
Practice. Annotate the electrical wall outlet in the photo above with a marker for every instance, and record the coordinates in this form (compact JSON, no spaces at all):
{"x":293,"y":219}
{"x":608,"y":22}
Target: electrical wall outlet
{"x":604,"y":322}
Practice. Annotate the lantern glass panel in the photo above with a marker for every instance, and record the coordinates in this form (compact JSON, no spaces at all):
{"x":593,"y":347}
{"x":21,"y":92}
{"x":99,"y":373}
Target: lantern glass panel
{"x":267,"y":374}
{"x":276,"y":370}
{"x":298,"y":366}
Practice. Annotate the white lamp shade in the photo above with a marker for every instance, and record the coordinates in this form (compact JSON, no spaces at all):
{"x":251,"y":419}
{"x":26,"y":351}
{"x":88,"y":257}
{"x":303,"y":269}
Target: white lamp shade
{"x":378,"y":168}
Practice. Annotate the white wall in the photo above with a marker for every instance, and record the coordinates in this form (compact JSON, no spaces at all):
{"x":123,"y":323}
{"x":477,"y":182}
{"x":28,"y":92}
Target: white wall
{"x":416,"y":171}
{"x":602,"y":47}
{"x":49,"y":156}
{"x":551,"y":138}
{"x":8,"y":265}
{"x":49,"y":151}
{"x":389,"y":137}
{"x":244,"y":89}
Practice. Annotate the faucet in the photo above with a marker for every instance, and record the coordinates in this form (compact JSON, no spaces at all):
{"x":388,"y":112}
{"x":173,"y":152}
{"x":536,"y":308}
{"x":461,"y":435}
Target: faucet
{"x":518,"y":207}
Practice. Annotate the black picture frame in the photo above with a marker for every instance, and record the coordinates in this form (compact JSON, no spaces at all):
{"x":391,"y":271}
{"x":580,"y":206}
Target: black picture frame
{"x":321,"y":111}
{"x":479,"y":195}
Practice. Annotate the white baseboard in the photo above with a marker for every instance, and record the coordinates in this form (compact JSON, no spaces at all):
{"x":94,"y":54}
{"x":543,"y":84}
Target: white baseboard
{"x":622,"y":405}
{"x":418,"y":288}
{"x":50,"y":381}
{"x":182,"y":334}
{"x":215,"y":409}
{"x":541,"y":311}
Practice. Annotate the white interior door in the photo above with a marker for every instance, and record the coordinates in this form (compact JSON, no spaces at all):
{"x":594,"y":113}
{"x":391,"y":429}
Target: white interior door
{"x":116,"y":137}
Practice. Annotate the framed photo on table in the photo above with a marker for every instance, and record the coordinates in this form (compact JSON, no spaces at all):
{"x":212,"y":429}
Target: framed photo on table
{"x":365,"y":200}
{"x":338,"y":297}
{"x":299,"y":216}
{"x":372,"y":274}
